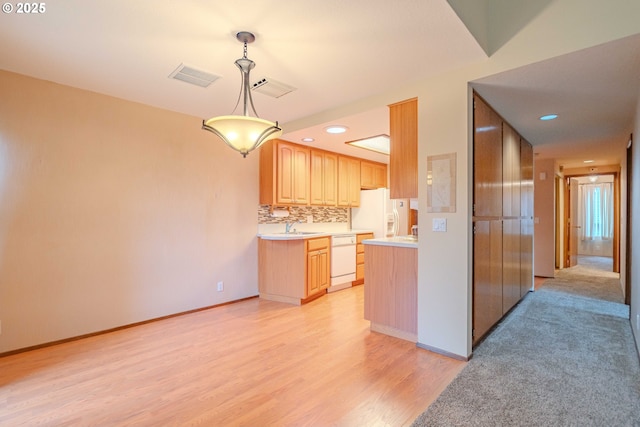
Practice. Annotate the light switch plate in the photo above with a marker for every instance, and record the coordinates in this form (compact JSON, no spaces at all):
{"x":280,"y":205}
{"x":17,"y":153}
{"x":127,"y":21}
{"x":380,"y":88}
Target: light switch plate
{"x":439,"y":224}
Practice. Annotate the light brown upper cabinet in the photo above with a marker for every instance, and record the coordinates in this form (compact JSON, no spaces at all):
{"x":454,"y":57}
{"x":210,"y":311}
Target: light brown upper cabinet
{"x":348,"y":181}
{"x":324,"y":178}
{"x":284,"y":173}
{"x":403,"y":157}
{"x":372,"y":175}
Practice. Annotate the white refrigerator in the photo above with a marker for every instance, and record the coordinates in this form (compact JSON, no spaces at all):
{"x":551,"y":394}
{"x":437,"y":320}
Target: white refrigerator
{"x":377,"y":212}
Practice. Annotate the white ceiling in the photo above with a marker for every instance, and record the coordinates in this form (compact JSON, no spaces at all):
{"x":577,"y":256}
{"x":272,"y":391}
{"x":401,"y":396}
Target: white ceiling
{"x":594,"y":92}
{"x":334,"y":52}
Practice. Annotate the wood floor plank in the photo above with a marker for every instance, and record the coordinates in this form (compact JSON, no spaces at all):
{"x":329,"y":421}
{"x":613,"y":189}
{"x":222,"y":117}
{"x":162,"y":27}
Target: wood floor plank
{"x":255,"y":362}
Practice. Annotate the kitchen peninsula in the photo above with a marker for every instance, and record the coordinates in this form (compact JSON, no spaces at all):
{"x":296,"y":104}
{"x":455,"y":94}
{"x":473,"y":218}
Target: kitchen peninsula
{"x":296,"y":267}
{"x":391,"y":286}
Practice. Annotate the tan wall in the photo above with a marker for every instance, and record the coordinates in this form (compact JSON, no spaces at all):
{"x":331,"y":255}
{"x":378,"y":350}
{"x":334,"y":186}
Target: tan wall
{"x":112,"y":212}
{"x":544,"y":218}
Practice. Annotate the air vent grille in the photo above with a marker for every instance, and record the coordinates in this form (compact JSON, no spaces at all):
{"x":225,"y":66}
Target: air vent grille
{"x":193,"y":76}
{"x":271,"y":87}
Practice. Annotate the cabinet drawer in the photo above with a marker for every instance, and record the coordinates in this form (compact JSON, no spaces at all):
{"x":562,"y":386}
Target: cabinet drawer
{"x":360,"y":258}
{"x":315,"y":244}
{"x":359,"y":271}
{"x":361,"y":237}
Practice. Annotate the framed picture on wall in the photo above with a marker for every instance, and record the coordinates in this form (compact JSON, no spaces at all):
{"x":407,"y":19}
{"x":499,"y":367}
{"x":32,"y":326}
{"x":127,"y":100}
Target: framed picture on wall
{"x":441,"y":183}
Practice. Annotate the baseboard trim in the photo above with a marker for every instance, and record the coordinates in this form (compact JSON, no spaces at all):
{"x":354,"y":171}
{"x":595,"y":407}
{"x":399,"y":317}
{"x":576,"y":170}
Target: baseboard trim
{"x":391,"y":331}
{"x":119,"y":328}
{"x":443,"y":352}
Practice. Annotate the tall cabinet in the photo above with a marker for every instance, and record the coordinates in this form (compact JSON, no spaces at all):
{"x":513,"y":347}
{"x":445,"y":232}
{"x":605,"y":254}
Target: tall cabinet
{"x":502,"y":218}
{"x":403,"y":158}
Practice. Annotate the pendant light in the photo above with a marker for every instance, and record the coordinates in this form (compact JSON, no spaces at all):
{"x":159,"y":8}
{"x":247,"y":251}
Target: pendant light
{"x":243,"y":133}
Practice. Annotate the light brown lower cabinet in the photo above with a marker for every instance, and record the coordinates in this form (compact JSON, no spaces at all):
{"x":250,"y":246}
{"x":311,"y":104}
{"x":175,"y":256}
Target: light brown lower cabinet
{"x":391,"y":290}
{"x":360,"y":257}
{"x":293,"y":271}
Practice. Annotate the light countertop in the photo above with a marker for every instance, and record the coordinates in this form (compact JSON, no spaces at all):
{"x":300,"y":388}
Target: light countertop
{"x":399,"y":241}
{"x":308,"y":234}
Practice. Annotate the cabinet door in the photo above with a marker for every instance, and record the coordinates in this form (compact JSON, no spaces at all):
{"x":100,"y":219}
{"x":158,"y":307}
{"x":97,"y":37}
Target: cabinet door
{"x":293,"y":174}
{"x":324,"y":182}
{"x":372,"y":175}
{"x":511,"y":172}
{"x":354,"y":182}
{"x":367,"y":175}
{"x":510,"y":263}
{"x":285,"y":174}
{"x":487,"y":161}
{"x":313,"y":272}
{"x":330,"y":179}
{"x":323,"y":269}
{"x":344,"y":193}
{"x":301,"y":175}
{"x":317,"y":271}
{"x":487,"y":276}
{"x":403,"y":157}
{"x":381,"y":176}
{"x":317,"y":178}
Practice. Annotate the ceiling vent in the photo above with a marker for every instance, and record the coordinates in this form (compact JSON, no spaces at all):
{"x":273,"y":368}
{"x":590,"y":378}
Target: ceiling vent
{"x":272,"y":88}
{"x":193,"y":75}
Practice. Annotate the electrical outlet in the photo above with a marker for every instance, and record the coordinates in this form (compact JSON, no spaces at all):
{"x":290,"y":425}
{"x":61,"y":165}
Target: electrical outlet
{"x":309,"y":219}
{"x":220,"y":286}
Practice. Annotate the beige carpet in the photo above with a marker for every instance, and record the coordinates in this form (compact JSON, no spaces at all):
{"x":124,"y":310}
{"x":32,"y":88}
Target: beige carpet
{"x":591,"y":278}
{"x":565,"y":356}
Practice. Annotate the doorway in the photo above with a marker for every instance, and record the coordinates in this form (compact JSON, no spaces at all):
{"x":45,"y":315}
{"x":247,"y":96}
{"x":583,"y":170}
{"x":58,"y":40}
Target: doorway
{"x":592,"y":221}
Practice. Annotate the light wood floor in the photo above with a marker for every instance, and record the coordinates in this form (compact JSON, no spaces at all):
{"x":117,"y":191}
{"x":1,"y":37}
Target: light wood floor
{"x":253,"y":363}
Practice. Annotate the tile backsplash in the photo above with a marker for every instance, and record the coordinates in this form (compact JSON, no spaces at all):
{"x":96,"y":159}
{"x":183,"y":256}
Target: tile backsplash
{"x":300,"y":213}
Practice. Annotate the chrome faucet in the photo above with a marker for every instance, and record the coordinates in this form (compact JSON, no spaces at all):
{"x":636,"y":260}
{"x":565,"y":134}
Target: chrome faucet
{"x":287,"y":226}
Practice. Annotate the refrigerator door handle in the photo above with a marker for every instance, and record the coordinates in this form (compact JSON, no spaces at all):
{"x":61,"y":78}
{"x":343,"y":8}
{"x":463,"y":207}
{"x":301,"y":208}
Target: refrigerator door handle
{"x":396,"y":219}
{"x":396,"y":222}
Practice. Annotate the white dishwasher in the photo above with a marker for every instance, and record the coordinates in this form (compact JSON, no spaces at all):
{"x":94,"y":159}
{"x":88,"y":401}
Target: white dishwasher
{"x":343,"y":261}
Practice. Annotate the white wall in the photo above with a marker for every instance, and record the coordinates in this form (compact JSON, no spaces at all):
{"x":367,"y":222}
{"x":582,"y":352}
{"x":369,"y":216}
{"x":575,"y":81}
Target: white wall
{"x":544,"y":213}
{"x":113,"y":212}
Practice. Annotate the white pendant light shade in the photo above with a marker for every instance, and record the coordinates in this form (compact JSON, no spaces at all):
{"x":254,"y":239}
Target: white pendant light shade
{"x":243,"y":133}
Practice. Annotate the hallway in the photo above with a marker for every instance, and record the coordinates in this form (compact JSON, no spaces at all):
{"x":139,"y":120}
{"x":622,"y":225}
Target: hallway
{"x":565,"y":355}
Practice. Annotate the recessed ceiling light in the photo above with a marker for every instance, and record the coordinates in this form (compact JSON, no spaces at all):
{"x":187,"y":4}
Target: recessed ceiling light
{"x":336,"y":129}
{"x":589,"y":161}
{"x":549,"y":117}
{"x":307,"y":139}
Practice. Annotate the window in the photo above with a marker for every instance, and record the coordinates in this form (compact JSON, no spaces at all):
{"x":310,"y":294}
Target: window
{"x":596,"y":211}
